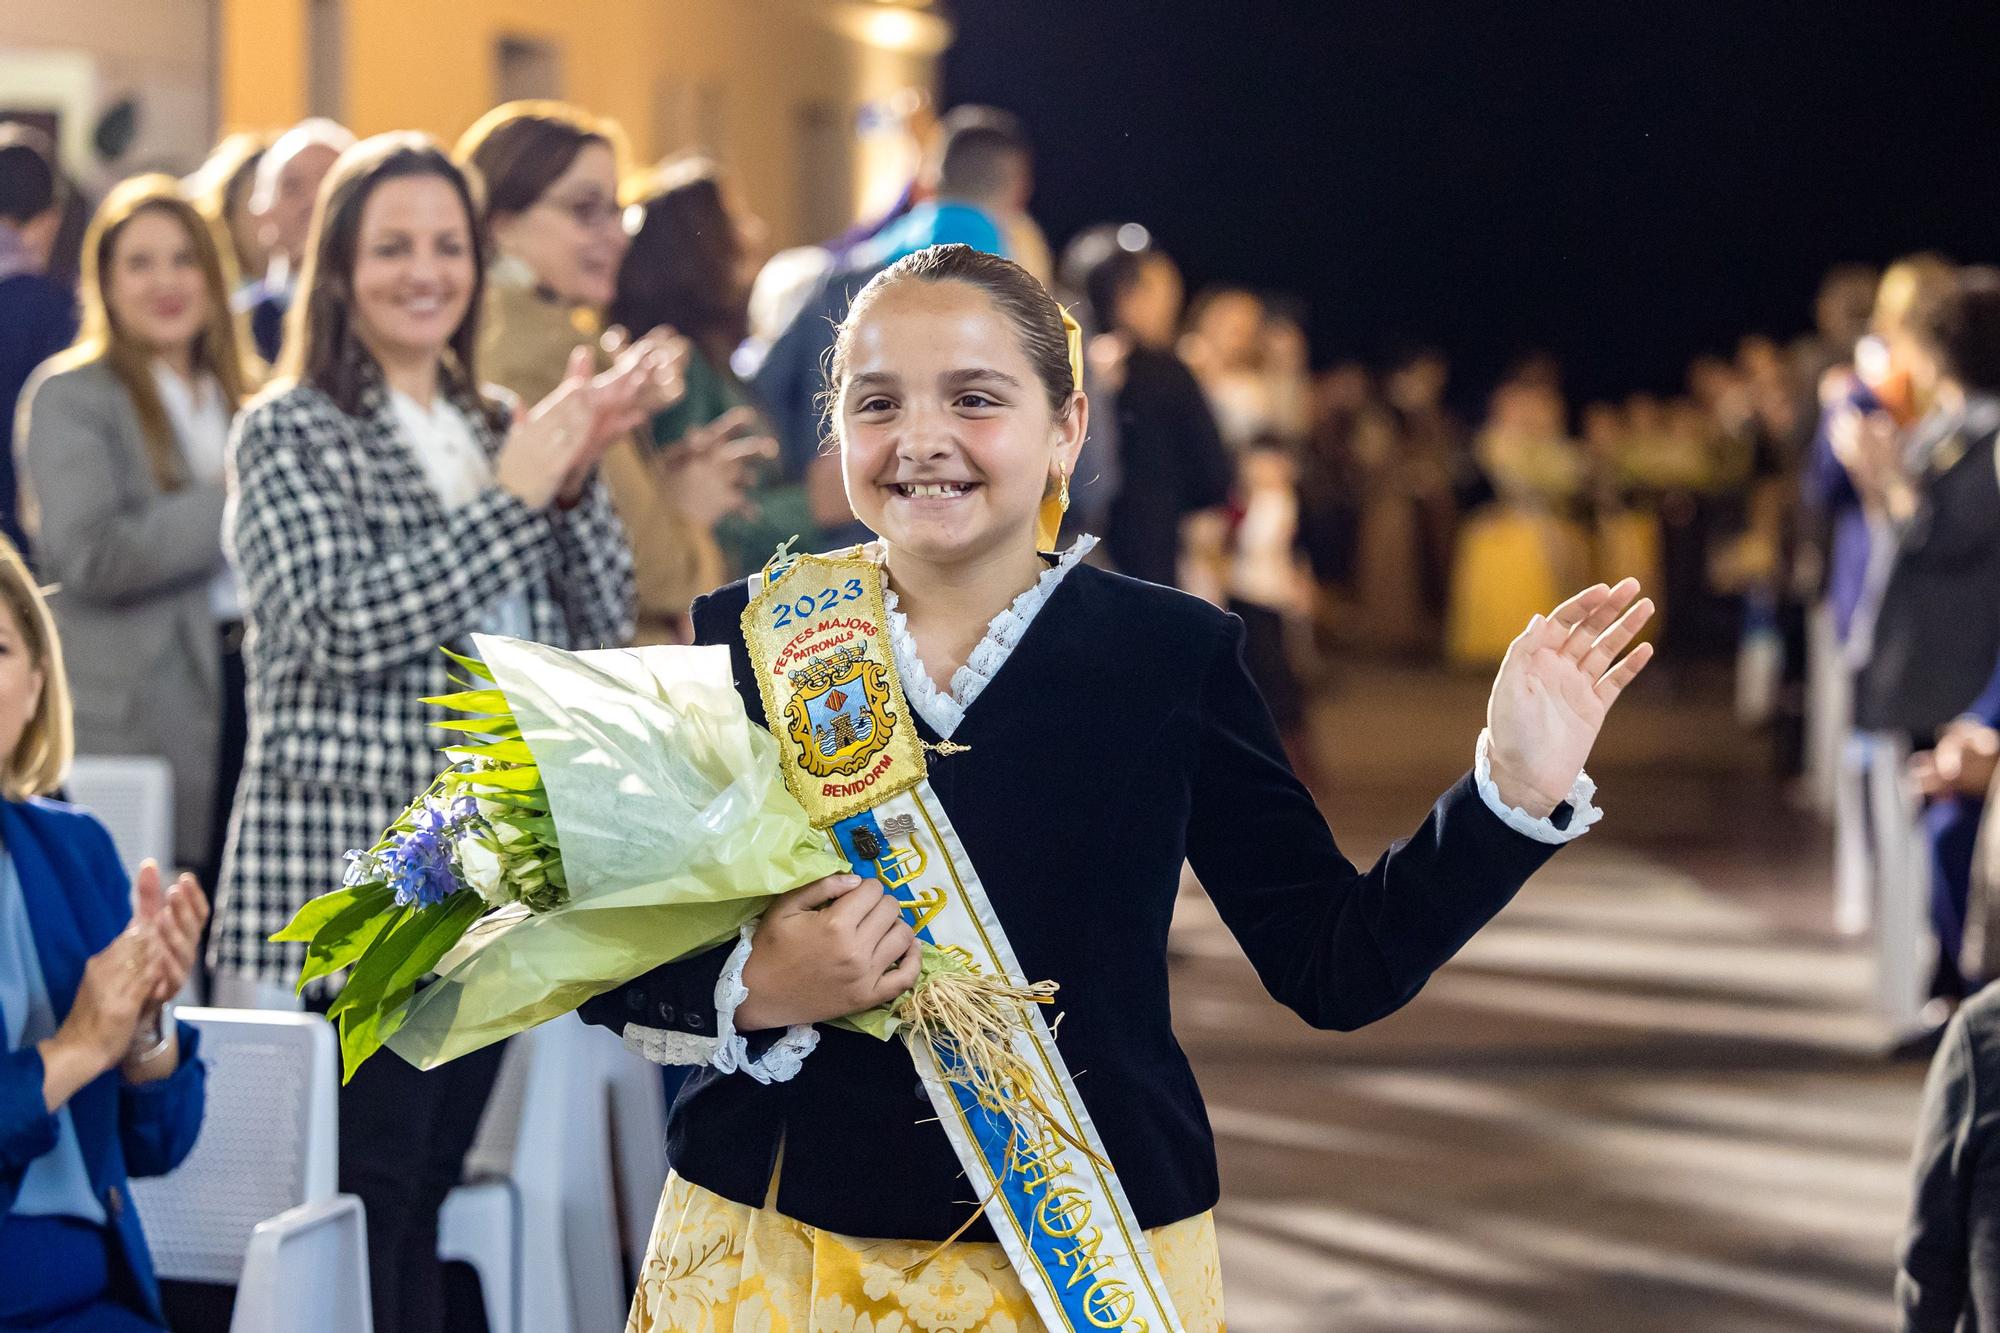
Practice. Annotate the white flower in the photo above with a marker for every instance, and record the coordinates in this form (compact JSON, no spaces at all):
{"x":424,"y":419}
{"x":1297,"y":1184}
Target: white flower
{"x":482,"y":869}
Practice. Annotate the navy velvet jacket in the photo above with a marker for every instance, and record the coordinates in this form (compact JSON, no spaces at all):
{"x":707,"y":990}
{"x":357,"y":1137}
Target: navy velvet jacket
{"x":1122,"y":735}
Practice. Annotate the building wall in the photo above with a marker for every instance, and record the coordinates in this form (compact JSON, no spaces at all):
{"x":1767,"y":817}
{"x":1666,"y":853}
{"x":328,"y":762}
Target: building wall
{"x":769,"y":86}
{"x":75,"y":58}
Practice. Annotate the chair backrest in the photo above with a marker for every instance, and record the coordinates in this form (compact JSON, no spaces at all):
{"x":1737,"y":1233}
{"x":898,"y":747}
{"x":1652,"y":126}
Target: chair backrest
{"x":134,"y":796}
{"x":307,"y":1272}
{"x":547,"y":1130}
{"x":268,"y":1141}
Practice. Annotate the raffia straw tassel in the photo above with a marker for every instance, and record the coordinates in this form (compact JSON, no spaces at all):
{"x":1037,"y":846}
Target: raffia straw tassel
{"x":970,"y":1020}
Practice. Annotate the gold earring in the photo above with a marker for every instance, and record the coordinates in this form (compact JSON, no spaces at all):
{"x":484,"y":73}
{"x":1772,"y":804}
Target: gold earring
{"x":1048,"y":523}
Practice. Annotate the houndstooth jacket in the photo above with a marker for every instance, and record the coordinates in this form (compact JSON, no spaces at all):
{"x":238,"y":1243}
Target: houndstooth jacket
{"x":353,"y":577}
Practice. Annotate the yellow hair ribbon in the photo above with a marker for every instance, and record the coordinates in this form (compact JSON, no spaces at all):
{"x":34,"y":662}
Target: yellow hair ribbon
{"x":1074,"y":332}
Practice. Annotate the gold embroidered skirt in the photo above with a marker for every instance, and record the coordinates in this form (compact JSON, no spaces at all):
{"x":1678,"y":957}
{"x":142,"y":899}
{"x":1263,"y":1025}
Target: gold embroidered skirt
{"x":715,"y":1266}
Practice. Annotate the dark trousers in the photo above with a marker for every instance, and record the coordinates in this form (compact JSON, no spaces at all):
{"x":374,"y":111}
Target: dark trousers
{"x":1951,"y":825}
{"x":234,"y":734}
{"x":403,"y":1139}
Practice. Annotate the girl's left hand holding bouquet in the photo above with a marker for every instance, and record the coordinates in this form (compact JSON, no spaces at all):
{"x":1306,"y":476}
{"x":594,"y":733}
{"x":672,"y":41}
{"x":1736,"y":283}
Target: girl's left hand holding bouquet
{"x":604,"y":812}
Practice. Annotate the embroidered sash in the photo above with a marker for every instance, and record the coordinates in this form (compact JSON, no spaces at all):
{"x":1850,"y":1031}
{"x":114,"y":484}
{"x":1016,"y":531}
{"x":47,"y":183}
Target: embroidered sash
{"x":818,"y":637}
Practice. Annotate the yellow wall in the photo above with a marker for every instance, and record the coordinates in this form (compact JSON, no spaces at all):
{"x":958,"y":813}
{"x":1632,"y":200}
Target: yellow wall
{"x":263,"y":63}
{"x":431,"y":65}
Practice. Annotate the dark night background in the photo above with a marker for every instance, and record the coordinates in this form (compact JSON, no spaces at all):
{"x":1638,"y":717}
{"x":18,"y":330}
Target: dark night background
{"x":1622,"y":185}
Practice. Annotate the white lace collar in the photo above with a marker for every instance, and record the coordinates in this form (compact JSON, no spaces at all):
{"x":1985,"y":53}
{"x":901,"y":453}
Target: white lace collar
{"x":944,"y":711}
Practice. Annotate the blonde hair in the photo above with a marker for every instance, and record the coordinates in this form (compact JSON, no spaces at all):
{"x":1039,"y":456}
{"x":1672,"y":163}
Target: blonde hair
{"x":218,"y":348}
{"x":41,"y":757}
{"x":1909,"y":286}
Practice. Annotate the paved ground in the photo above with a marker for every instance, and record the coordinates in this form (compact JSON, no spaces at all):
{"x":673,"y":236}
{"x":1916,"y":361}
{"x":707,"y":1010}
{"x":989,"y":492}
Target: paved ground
{"x":1647,"y":1097}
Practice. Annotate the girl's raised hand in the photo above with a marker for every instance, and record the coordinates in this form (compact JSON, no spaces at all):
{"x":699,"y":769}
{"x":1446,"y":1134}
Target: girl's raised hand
{"x":1559,"y":679}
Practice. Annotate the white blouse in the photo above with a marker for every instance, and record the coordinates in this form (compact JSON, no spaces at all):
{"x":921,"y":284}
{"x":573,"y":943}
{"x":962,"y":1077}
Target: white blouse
{"x":444,"y":446}
{"x":200,"y":422}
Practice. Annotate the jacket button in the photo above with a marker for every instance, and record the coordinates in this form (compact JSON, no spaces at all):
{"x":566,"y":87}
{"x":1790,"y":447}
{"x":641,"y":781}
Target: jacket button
{"x":693,"y":1019}
{"x":114,"y":1202}
{"x":635,"y":1001}
{"x":666,"y":1011}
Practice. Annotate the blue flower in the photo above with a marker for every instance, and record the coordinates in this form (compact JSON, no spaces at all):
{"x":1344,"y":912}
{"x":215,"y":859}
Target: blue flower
{"x":417,"y":865}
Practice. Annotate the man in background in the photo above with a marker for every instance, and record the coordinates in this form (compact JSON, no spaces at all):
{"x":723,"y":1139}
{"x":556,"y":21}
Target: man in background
{"x":288,"y":181}
{"x":980,"y":177}
{"x":37,"y":314}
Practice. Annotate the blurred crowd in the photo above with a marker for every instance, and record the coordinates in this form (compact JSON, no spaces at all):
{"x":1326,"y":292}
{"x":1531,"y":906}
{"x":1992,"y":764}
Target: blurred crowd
{"x":253,"y":454}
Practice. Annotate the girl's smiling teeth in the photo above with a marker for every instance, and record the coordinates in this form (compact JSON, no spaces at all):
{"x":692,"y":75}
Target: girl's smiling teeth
{"x":931,"y":490}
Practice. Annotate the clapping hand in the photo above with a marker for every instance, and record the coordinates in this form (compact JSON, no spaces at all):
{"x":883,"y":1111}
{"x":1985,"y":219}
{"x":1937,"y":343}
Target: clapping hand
{"x":708,"y":474}
{"x":1559,"y":679}
{"x":173,"y":918}
{"x":656,"y":366}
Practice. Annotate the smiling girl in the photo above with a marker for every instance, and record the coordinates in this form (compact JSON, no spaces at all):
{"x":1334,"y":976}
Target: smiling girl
{"x":1090,"y":733}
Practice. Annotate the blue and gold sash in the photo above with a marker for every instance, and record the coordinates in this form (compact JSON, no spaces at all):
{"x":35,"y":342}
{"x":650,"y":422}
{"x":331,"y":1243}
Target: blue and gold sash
{"x":817,"y":632}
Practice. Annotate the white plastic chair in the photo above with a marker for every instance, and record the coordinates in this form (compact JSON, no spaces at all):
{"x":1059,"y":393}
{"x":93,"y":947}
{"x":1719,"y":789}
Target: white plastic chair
{"x":535,"y":1218}
{"x":299,"y":1275}
{"x":638,"y":1141}
{"x":134,"y":795}
{"x":254,"y":1204}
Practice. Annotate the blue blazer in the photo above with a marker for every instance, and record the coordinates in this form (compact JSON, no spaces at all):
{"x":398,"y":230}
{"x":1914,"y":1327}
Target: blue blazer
{"x":78,"y":900}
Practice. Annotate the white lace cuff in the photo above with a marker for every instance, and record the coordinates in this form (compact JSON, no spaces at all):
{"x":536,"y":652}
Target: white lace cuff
{"x":664,"y":1046}
{"x":1582,"y":813}
{"x":732,"y":1053}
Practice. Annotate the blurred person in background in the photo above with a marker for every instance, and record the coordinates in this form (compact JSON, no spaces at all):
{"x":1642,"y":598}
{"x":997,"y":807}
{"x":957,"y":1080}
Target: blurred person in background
{"x":97,"y":1083}
{"x":1251,"y":364}
{"x":1521,"y":549}
{"x":123,"y":444}
{"x":1935,"y":636}
{"x":1878,"y":382}
{"x":1331,"y":491}
{"x":37,"y":314}
{"x":693,"y":256}
{"x":1270,"y":589}
{"x":385,"y":507}
{"x":1167,"y":524}
{"x":558,"y":238}
{"x":1948,"y":1280}
{"x":286,"y":186}
{"x":980,"y":174}
{"x":1437,"y":465}
{"x":222,"y":188}
{"x":1389,"y":613}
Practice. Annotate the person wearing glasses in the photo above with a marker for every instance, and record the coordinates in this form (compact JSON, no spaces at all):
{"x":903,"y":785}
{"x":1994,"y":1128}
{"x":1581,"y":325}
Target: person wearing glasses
{"x":557,"y":238}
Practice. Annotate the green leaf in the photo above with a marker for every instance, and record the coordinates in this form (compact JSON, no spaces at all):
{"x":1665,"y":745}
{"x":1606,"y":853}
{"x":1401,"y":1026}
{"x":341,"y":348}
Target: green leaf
{"x":540,"y":827}
{"x":318,"y":911}
{"x":473,"y":701}
{"x":525,"y":778}
{"x":346,"y":938}
{"x":479,"y":726}
{"x":471,"y":664}
{"x":409,"y":939}
{"x":392,"y":974}
{"x":511,"y":750}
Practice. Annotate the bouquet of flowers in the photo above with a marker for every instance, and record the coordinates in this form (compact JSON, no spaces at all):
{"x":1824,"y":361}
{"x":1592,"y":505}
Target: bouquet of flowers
{"x":603,"y":812}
